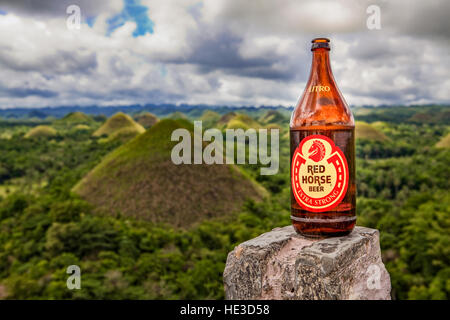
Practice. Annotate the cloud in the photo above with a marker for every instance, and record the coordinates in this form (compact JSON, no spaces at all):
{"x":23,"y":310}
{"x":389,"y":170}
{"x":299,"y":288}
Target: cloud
{"x":287,"y":16}
{"x":418,"y":18}
{"x":45,"y":8}
{"x":219,"y":52}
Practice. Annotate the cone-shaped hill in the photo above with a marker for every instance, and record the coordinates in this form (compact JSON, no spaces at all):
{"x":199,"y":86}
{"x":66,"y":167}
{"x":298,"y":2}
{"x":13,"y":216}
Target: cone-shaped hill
{"x":209,"y":118}
{"x":273,"y":116}
{"x":177,"y":115}
{"x":379,"y":125}
{"x":444,"y":142}
{"x":76,"y":117}
{"x":119,"y":125}
{"x":243,"y":121}
{"x":73,"y":121}
{"x":146,"y":119}
{"x":226,"y":118}
{"x":41,"y":131}
{"x":210,"y":115}
{"x":233,"y":120}
{"x":368,"y":132}
{"x":139,"y":180}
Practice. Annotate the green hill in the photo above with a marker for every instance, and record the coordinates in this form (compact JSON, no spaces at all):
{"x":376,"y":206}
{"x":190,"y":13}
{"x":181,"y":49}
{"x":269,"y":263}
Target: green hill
{"x":444,"y":142}
{"x":177,"y":115}
{"x":226,"y":118}
{"x":120,"y":122}
{"x":146,"y":119}
{"x":361,"y":111}
{"x":233,"y":120}
{"x":210,"y":116}
{"x":123,"y":134}
{"x":379,"y":125}
{"x":41,"y":131}
{"x":243,"y":121}
{"x":421,"y":117}
{"x":434,"y":117}
{"x":369,"y":132}
{"x":76,"y":117}
{"x":139,"y":180}
{"x":238,"y":121}
{"x":273,"y":116}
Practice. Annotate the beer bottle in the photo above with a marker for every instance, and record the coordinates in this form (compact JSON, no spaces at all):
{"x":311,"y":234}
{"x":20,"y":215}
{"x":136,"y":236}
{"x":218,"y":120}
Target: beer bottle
{"x":322,"y":139}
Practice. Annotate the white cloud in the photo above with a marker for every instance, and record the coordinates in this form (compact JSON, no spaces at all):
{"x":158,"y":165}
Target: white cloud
{"x":222,"y":52}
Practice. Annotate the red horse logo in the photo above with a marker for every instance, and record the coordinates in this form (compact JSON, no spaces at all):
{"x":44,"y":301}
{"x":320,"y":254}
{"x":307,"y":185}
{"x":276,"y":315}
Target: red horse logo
{"x":317,"y":151}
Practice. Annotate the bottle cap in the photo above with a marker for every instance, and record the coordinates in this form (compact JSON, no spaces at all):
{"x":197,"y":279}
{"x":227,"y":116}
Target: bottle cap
{"x":320,"y":43}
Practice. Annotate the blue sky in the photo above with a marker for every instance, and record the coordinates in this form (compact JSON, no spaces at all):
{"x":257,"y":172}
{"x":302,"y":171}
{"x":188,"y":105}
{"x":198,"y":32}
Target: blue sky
{"x":132,"y":11}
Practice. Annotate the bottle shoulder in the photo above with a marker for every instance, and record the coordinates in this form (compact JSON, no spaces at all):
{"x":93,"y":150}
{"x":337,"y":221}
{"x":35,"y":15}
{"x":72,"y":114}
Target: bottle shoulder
{"x":321,"y":109}
{"x":322,"y":115}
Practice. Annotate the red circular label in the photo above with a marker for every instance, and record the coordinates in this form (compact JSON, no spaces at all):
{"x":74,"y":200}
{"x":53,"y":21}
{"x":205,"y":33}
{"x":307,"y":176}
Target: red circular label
{"x":319,"y":174}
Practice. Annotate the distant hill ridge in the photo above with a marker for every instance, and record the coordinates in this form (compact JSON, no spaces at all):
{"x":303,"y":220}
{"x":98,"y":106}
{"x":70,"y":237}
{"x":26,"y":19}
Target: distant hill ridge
{"x":160,"y":110}
{"x":417,"y":114}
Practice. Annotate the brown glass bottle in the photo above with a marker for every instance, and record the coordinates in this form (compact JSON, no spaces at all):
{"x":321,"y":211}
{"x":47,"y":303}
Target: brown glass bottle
{"x":322,"y":137}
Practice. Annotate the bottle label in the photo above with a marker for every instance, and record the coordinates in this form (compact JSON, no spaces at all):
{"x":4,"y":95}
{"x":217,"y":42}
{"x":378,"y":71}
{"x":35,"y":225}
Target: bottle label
{"x":319,"y":174}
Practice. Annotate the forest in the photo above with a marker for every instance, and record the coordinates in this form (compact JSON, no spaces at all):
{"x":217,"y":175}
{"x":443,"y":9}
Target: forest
{"x":50,"y":216}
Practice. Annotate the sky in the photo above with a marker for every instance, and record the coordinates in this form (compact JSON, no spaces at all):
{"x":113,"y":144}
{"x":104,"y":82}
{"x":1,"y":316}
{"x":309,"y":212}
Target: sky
{"x":220,"y":52}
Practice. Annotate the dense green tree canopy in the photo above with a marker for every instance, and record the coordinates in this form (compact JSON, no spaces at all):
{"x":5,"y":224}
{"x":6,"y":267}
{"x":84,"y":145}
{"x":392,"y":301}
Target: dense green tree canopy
{"x":402,"y":185}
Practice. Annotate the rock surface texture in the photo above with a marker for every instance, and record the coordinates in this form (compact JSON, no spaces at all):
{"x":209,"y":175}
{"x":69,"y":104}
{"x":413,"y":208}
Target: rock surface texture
{"x":281,"y":264}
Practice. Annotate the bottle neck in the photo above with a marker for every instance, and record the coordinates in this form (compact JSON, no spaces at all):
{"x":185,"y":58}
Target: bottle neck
{"x":321,"y":103}
{"x":321,"y":74}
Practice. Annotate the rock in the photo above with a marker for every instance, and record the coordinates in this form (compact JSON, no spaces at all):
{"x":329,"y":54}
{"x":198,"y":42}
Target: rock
{"x":281,"y":264}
